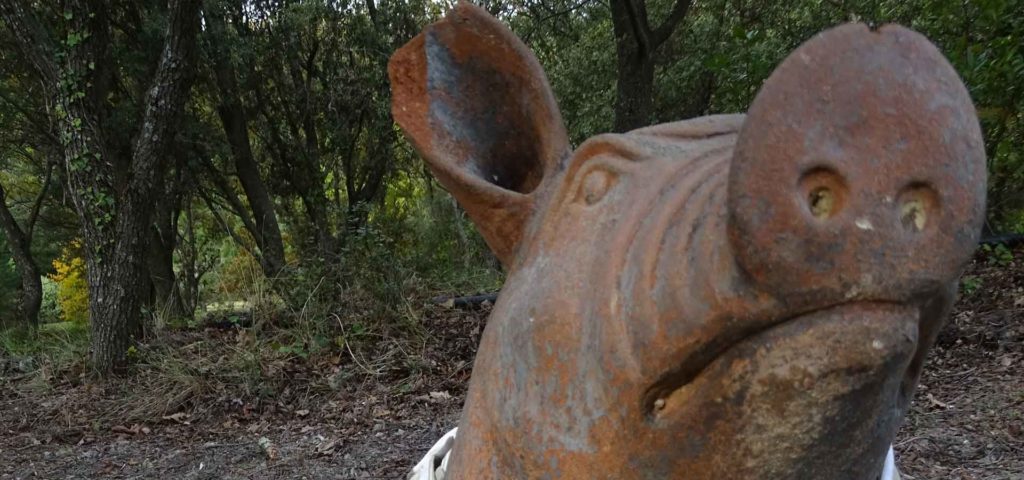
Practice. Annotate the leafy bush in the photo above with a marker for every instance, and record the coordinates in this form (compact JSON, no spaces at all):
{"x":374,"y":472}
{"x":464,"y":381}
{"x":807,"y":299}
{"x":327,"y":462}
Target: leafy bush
{"x":234,"y":277}
{"x":49,"y":310}
{"x":55,"y":346}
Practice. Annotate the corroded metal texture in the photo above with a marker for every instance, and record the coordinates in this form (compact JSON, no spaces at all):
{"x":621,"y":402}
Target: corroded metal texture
{"x":728,"y":297}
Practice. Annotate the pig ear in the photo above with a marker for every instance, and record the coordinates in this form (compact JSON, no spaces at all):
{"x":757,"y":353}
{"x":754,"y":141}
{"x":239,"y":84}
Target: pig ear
{"x":475,"y":103}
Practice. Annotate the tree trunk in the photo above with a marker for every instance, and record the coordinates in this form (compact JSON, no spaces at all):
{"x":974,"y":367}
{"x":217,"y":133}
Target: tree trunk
{"x":30,"y":295}
{"x":635,"y":44}
{"x":303,"y":174}
{"x":315,"y":204}
{"x":189,"y":261}
{"x":167,"y":299}
{"x":366,"y":185}
{"x":163,"y":240}
{"x":634,"y":91}
{"x":113,"y":286}
{"x":300,"y":152}
{"x":114,"y":204}
{"x":115,"y":289}
{"x":268,"y":232}
{"x":236,"y":128}
{"x":362,"y":192}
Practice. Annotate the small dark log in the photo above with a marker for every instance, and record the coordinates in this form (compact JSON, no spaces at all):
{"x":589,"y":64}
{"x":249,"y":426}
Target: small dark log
{"x":1008,"y":239}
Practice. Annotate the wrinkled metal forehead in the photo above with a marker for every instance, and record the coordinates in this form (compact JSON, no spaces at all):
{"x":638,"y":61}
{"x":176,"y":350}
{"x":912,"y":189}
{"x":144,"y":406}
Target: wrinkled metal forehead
{"x":675,"y":141}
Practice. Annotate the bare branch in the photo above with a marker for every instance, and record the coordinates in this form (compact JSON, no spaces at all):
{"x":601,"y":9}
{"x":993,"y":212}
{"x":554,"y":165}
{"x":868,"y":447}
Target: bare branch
{"x":33,"y":216}
{"x":31,"y":39}
{"x":664,"y":31}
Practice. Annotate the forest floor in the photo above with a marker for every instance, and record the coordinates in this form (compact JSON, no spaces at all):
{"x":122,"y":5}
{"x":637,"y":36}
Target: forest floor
{"x":342,"y":416}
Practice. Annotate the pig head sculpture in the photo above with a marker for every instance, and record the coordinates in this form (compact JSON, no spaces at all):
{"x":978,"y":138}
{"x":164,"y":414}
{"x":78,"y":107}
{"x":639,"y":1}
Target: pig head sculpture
{"x":728,"y":297}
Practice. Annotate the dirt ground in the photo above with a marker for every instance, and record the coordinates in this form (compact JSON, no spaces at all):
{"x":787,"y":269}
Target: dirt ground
{"x":967,"y":422}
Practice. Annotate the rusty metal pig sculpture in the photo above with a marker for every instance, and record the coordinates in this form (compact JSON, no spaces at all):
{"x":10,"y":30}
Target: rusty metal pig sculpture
{"x":728,"y":297}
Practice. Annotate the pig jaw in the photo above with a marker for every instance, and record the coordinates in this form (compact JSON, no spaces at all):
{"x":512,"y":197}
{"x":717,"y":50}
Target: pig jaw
{"x":816,"y":396}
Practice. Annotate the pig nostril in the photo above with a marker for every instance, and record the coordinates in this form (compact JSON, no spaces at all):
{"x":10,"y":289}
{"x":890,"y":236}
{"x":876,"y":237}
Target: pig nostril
{"x":824,"y":192}
{"x":821,"y":201}
{"x":913,"y":215}
{"x":916,"y":202}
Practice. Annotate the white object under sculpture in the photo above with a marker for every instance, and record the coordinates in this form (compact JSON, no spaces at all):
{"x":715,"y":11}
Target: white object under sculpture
{"x":428,"y":468}
{"x":434,"y":464}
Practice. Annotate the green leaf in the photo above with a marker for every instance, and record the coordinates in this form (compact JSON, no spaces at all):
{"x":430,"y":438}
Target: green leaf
{"x":74,"y":38}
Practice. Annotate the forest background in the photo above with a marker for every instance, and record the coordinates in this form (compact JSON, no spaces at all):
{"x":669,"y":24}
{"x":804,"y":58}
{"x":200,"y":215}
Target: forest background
{"x":167,"y":164}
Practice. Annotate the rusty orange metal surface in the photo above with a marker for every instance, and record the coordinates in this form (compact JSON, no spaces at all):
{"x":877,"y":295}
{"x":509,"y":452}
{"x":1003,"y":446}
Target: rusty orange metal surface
{"x":728,"y":297}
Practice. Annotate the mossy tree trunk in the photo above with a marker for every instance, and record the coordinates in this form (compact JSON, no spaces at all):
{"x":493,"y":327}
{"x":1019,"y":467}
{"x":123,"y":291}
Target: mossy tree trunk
{"x":113,"y":197}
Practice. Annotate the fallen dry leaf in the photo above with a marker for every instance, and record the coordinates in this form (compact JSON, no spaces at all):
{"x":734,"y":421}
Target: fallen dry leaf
{"x":134,"y":430}
{"x":326,"y":448}
{"x":180,"y":417}
{"x":269,"y":449}
{"x":931,"y":398}
{"x":440,"y":396}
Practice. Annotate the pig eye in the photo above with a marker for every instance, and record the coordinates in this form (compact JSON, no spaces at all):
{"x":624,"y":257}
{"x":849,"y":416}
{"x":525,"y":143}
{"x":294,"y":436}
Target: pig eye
{"x":595,"y":185}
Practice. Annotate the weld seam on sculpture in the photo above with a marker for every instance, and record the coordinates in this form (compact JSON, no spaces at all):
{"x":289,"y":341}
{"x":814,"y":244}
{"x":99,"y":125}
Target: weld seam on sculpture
{"x":728,"y":297}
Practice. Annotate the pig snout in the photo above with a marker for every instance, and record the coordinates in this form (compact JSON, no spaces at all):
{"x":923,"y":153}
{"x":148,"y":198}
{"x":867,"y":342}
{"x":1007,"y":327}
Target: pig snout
{"x":859,"y":173}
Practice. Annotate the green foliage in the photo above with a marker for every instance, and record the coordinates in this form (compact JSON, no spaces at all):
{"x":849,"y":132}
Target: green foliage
{"x":53,"y":345}
{"x":578,"y":55}
{"x":999,"y":254}
{"x":431,"y":238}
{"x":970,"y":284}
{"x":237,"y":271}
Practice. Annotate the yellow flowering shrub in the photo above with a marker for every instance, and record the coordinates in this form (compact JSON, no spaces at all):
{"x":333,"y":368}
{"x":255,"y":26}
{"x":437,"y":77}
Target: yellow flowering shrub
{"x":72,"y":287}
